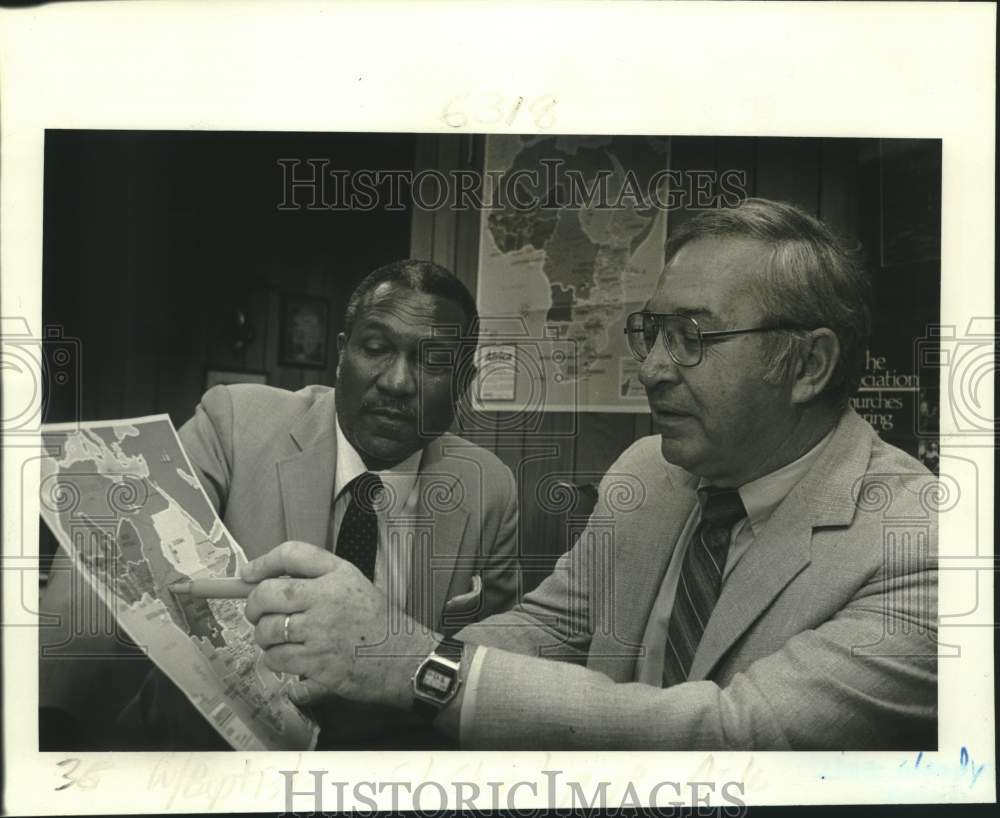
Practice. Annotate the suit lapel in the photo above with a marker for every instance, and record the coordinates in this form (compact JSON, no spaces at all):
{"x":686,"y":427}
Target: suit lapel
{"x":306,"y":478}
{"x":771,"y":562}
{"x":824,"y":497}
{"x":655,"y":543}
{"x":640,"y":560}
{"x":441,"y":521}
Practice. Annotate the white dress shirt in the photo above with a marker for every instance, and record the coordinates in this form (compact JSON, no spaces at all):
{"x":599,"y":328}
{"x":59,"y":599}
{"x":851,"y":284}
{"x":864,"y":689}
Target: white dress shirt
{"x":395,"y":531}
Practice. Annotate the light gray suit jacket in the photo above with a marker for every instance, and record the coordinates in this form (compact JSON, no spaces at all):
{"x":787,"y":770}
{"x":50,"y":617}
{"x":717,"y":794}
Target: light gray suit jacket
{"x":267,"y":459}
{"x":824,"y":635}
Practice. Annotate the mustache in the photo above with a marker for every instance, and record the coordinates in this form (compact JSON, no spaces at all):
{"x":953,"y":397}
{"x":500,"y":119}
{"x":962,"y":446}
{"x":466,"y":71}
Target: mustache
{"x":401,"y":407}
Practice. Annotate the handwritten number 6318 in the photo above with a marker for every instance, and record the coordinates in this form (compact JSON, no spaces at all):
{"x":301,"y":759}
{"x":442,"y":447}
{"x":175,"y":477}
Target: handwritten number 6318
{"x":492,"y":108}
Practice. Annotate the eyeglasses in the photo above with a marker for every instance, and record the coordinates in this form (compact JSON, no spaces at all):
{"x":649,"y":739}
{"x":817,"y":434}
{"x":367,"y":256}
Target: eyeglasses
{"x":682,"y":336}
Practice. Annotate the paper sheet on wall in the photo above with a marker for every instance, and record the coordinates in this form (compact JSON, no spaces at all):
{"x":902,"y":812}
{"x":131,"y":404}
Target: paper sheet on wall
{"x":559,"y":272}
{"x":124,"y":502}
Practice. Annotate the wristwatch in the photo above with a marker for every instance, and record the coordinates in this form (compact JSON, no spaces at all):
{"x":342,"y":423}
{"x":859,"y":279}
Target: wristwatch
{"x":438,"y":678}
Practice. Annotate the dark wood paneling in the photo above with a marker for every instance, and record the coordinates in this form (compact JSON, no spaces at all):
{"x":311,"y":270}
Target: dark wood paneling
{"x":446,"y":230}
{"x":690,"y":156}
{"x":788,"y":170}
{"x":471,"y":157}
{"x":737,"y":153}
{"x":547,"y":456}
{"x":643,"y":425}
{"x":600,"y":438}
{"x":422,"y":221}
{"x":508,"y":437}
{"x":154,"y":240}
{"x":839,"y":186}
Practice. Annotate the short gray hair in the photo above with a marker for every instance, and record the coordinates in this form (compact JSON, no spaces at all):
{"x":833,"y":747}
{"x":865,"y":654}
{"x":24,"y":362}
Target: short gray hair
{"x":812,"y":279}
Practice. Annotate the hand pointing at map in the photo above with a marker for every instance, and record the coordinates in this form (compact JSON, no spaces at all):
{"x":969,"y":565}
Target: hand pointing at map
{"x":312,"y":611}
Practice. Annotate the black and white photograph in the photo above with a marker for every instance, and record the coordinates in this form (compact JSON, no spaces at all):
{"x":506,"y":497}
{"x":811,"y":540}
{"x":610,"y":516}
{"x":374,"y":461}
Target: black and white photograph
{"x":482,"y":440}
{"x":579,"y":251}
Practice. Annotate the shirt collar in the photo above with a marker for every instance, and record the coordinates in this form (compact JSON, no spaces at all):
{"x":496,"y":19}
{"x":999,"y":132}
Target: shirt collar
{"x":400,"y":478}
{"x":762,"y":496}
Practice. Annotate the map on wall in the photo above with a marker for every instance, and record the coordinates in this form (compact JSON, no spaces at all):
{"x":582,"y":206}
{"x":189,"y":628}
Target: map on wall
{"x":126,"y":505}
{"x":571,"y":241}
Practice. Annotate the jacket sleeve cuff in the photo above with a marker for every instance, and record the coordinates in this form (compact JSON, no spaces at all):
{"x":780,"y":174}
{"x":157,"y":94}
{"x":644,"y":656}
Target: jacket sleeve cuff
{"x":467,"y":715}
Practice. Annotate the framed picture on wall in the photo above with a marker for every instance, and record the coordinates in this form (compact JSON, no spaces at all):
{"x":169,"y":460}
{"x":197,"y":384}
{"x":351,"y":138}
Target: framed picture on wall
{"x":304,"y":331}
{"x":215,"y":376}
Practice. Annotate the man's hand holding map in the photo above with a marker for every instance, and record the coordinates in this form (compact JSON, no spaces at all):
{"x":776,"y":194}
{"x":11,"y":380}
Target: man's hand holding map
{"x":124,"y":502}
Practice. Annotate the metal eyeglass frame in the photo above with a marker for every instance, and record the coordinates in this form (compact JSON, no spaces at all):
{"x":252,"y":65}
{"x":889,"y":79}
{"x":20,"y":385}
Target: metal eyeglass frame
{"x":711,"y":336}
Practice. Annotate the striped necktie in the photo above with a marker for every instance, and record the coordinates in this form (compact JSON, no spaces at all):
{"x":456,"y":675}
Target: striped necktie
{"x":701,"y":579}
{"x":357,"y":540}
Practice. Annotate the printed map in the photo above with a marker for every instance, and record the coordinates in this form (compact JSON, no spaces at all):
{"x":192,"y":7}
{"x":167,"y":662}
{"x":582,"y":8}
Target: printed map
{"x":124,"y":502}
{"x":565,"y":277}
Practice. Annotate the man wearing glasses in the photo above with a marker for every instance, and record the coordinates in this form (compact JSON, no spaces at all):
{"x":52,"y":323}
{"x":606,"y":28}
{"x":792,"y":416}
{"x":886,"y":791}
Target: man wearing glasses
{"x":758,"y":595}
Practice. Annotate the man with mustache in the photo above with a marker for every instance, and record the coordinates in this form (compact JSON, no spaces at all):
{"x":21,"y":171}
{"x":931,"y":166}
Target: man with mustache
{"x":765,"y":580}
{"x":367,"y":471}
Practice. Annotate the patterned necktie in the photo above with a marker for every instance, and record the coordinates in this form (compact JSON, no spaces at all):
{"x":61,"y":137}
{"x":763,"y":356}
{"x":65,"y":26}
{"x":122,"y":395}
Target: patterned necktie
{"x":701,"y":579}
{"x":357,"y":540}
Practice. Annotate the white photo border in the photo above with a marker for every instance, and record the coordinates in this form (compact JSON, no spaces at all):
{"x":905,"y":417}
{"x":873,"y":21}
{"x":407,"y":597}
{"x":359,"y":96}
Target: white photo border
{"x":785,"y":69}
